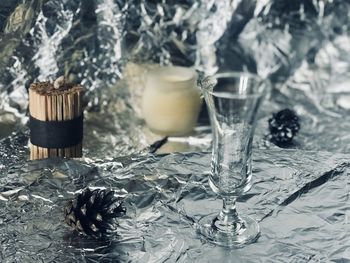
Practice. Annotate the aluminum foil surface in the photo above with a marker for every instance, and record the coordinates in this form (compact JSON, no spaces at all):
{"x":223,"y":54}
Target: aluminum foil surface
{"x":301,"y":200}
{"x":301,"y":194}
{"x":302,"y":47}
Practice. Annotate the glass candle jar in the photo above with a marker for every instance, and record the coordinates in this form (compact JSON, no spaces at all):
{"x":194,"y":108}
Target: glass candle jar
{"x":171,"y":100}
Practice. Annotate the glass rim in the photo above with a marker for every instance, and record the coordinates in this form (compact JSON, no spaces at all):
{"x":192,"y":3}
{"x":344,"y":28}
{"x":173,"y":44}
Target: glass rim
{"x":237,"y":74}
{"x":228,"y":74}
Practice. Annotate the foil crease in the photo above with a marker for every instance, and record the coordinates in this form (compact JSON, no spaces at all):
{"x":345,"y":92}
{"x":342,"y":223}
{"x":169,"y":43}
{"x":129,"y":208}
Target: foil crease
{"x":300,"y":195}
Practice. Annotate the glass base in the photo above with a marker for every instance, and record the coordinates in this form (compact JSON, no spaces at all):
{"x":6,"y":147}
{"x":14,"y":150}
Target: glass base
{"x":244,"y":231}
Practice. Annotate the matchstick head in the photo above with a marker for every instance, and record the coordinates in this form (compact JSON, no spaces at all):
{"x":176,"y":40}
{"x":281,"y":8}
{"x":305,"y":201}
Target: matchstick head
{"x":59,"y":82}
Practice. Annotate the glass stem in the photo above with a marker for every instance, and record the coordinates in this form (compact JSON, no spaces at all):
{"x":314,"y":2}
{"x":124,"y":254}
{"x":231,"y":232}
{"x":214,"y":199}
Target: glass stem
{"x":228,"y":215}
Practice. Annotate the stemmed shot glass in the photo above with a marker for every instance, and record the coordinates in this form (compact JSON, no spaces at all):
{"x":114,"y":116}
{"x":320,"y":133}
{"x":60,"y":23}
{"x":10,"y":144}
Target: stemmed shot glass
{"x":233,"y":100}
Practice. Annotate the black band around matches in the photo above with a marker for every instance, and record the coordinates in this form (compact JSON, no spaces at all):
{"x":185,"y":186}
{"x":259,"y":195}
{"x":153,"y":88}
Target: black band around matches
{"x":56,"y":134}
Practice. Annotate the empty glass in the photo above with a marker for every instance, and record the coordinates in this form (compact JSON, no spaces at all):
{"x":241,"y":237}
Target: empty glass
{"x":233,"y":101}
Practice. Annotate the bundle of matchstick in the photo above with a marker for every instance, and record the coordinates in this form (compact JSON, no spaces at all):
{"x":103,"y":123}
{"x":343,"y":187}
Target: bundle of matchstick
{"x":54,"y":103}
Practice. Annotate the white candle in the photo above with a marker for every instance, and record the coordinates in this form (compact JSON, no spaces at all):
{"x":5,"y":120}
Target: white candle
{"x":171,"y":100}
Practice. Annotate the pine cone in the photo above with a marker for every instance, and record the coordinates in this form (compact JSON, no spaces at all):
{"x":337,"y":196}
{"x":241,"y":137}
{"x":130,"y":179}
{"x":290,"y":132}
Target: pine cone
{"x":283,"y":125}
{"x":94,"y":212}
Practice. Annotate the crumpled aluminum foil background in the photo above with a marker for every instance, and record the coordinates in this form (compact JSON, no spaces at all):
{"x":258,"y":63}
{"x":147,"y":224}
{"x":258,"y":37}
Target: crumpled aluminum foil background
{"x":300,"y":195}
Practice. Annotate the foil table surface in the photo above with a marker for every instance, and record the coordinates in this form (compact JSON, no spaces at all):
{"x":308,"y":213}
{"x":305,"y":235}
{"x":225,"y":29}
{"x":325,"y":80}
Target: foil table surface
{"x":300,"y":198}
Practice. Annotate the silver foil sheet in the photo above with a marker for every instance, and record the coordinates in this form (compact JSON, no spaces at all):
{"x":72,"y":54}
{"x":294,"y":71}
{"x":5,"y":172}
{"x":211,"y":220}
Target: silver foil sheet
{"x":300,"y":195}
{"x":302,"y":47}
{"x":301,"y":200}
